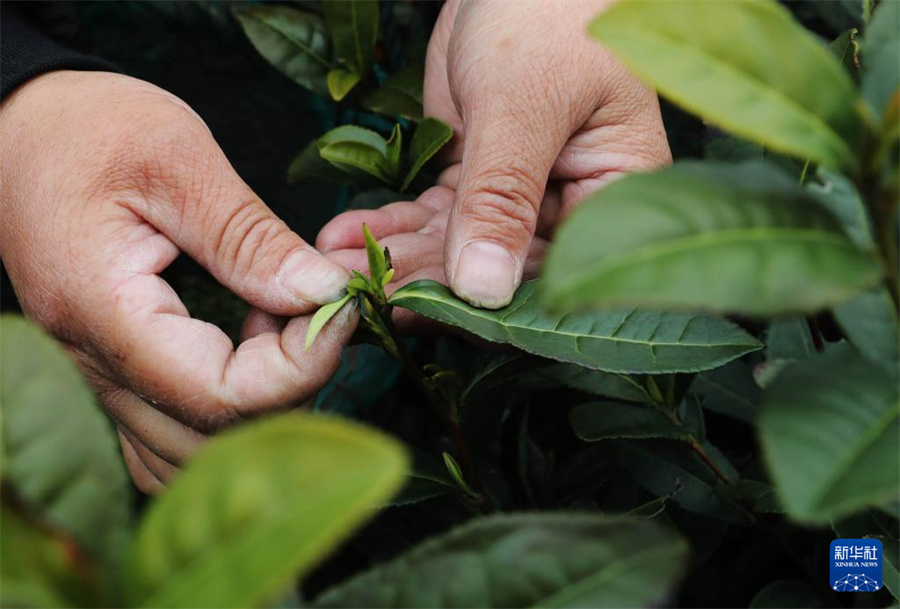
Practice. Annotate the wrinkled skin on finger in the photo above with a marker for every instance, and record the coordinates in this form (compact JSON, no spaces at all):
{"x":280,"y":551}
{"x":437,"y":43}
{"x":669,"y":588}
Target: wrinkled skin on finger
{"x":543,"y":116}
{"x":104,"y":181}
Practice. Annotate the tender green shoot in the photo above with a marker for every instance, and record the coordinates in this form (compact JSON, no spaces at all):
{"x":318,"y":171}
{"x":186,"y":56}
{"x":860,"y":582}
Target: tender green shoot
{"x":322,"y":317}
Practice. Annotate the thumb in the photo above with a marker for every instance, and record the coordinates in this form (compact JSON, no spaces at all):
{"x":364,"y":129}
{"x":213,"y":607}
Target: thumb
{"x":222,"y":224}
{"x":505,"y":165}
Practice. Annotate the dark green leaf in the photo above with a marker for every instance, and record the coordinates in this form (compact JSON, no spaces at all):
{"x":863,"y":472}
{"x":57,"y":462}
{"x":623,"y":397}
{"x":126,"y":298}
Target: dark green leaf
{"x":663,"y":467}
{"x":837,"y":194}
{"x":736,"y":83}
{"x":742,"y":238}
{"x":609,"y":420}
{"x":729,"y":390}
{"x":422,"y":485}
{"x":596,"y":382}
{"x":830,"y":433}
{"x":789,"y":338}
{"x":526,"y":560}
{"x":400,"y":96}
{"x":322,"y":317}
{"x":341,"y":82}
{"x":310,"y":164}
{"x":59,"y":450}
{"x":625,"y":340}
{"x":257,"y":507}
{"x":430,"y":136}
{"x":881,"y":47}
{"x":891,"y":563}
{"x":759,"y":495}
{"x":293,"y":41}
{"x":788,"y":593}
{"x":869,"y":321}
{"x":353,"y":25}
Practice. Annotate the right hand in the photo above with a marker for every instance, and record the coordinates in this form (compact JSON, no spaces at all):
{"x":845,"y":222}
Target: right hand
{"x":104,"y":179}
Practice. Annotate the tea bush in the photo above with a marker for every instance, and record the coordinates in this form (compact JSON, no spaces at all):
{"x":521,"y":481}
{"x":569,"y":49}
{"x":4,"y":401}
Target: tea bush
{"x":698,"y":395}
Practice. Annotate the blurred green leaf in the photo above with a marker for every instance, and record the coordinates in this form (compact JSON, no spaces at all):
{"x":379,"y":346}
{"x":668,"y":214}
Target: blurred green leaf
{"x":845,"y":49}
{"x":40,"y":567}
{"x":837,"y":194}
{"x":341,"y":82}
{"x":881,"y":47}
{"x":609,"y":420}
{"x":353,"y":25}
{"x":394,"y":149}
{"x":788,"y":593}
{"x":400,"y":96}
{"x":623,"y":340}
{"x":891,"y":564}
{"x":60,"y":452}
{"x":759,"y":495}
{"x":257,"y":507}
{"x":430,"y":136}
{"x":740,"y":238}
{"x":735,"y":82}
{"x":829,"y":429}
{"x":869,"y":321}
{"x":526,"y":560}
{"x":293,"y":41}
{"x":322,"y":317}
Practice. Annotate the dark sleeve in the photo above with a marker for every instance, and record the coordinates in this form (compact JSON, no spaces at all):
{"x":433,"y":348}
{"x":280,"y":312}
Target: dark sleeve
{"x":27,"y":51}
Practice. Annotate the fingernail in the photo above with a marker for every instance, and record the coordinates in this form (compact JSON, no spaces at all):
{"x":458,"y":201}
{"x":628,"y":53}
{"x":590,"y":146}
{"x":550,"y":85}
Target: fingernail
{"x":486,"y":275}
{"x":310,"y":277}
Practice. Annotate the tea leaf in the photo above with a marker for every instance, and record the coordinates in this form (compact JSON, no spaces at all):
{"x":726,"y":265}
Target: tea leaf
{"x":869,"y":321}
{"x":354,"y":27}
{"x":257,"y":507}
{"x":565,"y":559}
{"x":400,"y":95}
{"x":59,"y":450}
{"x":736,"y":83}
{"x":881,"y":47}
{"x":623,"y":340}
{"x":789,"y":338}
{"x":430,"y":136}
{"x":378,"y":264}
{"x":729,"y":390}
{"x":788,"y":593}
{"x":829,"y":429}
{"x":891,"y":566}
{"x":596,"y":382}
{"x":310,"y":164}
{"x":322,"y":317}
{"x":741,"y":238}
{"x":293,"y":41}
{"x":609,"y":420}
{"x":394,"y":148}
{"x":357,"y":150}
{"x":39,"y":567}
{"x":341,"y":82}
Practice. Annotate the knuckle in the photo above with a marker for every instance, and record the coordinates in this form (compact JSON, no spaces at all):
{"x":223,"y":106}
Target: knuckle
{"x":244,"y":237}
{"x":506,"y":203}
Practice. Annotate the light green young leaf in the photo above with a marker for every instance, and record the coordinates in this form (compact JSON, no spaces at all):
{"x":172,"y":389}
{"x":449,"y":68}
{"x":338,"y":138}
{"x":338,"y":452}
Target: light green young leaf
{"x":739,"y":238}
{"x":430,"y":136}
{"x":566,"y":559}
{"x":354,"y":28}
{"x":59,"y":450}
{"x":378,"y":264}
{"x":830,"y":432}
{"x":845,"y":49}
{"x":400,"y":96}
{"x":623,"y":340}
{"x":357,"y":151}
{"x":608,"y":420}
{"x":258,"y":507}
{"x":293,"y":41}
{"x":881,"y":47}
{"x":341,"y":82}
{"x":736,"y":83}
{"x":322,"y":317}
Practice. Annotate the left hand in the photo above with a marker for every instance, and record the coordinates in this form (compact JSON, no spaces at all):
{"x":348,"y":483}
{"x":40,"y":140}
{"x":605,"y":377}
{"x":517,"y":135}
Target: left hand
{"x":543,"y":116}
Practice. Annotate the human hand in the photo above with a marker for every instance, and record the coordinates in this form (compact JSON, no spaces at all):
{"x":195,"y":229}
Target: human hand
{"x":543,"y":117}
{"x":104,"y":179}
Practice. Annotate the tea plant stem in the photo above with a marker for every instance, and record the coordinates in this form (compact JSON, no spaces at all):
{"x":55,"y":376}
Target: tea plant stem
{"x":704,"y":456}
{"x":442,"y":412}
